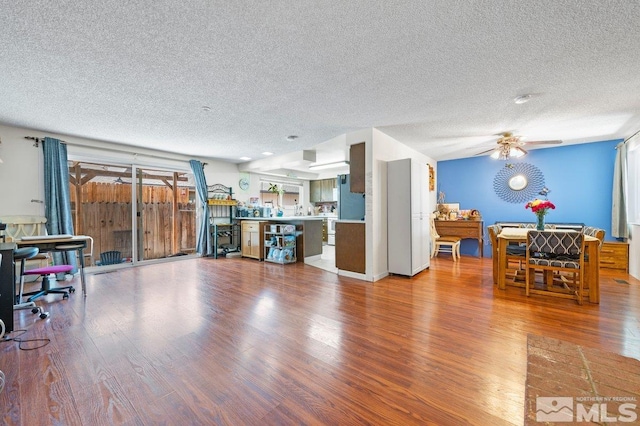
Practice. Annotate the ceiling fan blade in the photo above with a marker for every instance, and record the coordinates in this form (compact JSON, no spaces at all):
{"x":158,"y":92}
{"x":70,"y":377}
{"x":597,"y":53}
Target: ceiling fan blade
{"x":484,"y":152}
{"x":553,"y":142}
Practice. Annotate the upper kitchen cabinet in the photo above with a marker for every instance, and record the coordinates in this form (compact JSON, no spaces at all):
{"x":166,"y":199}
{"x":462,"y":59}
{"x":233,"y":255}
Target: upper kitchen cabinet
{"x":356,"y":167}
{"x":322,"y":190}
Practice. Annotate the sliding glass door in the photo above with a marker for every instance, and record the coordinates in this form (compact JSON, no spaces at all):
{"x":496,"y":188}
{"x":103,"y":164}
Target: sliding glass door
{"x":135,"y":213}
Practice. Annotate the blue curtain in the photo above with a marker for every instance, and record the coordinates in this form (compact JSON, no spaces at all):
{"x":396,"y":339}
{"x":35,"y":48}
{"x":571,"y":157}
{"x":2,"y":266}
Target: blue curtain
{"x":57,"y":202}
{"x":203,"y":241}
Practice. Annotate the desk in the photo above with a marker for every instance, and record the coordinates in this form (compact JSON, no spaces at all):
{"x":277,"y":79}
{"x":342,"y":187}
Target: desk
{"x":592,"y":276}
{"x":465,"y":229}
{"x":48,"y":245}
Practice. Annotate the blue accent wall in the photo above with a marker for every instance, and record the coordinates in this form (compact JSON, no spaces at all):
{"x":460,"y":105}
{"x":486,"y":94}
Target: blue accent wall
{"x":580,"y":178}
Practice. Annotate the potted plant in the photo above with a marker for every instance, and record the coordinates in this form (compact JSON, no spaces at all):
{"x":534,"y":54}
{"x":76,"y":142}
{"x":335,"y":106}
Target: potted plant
{"x":280,"y":191}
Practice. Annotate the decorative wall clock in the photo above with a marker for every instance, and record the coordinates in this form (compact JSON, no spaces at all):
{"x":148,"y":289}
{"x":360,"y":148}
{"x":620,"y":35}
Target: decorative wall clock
{"x":244,"y":183}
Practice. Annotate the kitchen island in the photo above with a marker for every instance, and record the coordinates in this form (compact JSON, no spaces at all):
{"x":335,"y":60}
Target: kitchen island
{"x":309,"y":240}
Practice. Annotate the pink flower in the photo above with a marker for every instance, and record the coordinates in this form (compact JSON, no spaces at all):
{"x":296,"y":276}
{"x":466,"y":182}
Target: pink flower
{"x":540,"y":206}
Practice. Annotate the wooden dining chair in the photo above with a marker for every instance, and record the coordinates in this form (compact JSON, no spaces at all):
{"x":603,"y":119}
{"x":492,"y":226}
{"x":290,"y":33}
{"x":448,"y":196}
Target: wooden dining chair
{"x":555,"y":251}
{"x":444,"y":244}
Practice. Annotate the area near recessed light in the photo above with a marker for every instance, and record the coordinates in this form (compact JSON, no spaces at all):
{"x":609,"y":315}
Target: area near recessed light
{"x":245,"y":158}
{"x":267,"y":153}
{"x":521,"y":99}
{"x":206,"y":108}
{"x":292,"y":138}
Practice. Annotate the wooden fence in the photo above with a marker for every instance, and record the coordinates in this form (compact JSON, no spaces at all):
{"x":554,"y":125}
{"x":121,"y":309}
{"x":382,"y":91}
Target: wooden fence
{"x":106,"y":216}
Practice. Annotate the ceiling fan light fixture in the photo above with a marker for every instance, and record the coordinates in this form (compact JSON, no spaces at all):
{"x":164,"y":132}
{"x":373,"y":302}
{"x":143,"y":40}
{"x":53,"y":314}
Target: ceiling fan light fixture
{"x":506,"y":152}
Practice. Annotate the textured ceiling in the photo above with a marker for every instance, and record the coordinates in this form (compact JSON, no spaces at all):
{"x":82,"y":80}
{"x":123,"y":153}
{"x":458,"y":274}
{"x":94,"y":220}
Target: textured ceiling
{"x":439,"y":76}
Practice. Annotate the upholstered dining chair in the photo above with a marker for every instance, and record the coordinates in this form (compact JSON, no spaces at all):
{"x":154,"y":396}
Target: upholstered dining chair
{"x":444,"y":244}
{"x":533,"y":226}
{"x":594,"y":232}
{"x":554,"y":250}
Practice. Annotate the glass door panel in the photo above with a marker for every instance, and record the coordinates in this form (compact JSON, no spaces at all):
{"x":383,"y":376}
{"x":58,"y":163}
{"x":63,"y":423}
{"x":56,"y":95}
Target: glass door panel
{"x":165,"y":214}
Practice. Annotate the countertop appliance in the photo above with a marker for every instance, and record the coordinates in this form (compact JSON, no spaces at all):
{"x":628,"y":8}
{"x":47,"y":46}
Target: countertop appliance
{"x":350,"y":204}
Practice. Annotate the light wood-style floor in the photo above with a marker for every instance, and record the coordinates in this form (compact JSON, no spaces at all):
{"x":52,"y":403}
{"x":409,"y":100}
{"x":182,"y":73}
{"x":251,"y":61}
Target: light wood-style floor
{"x":241,"y":342}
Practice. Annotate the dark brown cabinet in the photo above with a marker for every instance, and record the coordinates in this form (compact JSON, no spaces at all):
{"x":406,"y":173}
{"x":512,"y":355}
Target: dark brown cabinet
{"x":357,"y":167}
{"x":322,"y":190}
{"x":350,"y":246}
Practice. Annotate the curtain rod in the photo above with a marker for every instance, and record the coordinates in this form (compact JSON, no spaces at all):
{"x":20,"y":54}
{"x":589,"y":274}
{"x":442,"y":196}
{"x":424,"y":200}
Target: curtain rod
{"x":37,"y":141}
{"x":123,"y":150}
{"x":633,"y":135}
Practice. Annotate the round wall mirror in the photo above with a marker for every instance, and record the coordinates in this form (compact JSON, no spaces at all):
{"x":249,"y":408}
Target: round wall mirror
{"x":518,"y":182}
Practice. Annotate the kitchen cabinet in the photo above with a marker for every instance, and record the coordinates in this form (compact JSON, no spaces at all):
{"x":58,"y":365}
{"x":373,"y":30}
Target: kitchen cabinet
{"x":322,"y":190}
{"x":252,"y":242}
{"x":357,"y":167}
{"x":350,"y":246}
{"x":325,"y":234}
{"x":408,"y":216}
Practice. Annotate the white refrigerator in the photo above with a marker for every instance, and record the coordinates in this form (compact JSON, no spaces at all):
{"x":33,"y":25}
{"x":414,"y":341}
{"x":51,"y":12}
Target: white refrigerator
{"x":408,"y":230}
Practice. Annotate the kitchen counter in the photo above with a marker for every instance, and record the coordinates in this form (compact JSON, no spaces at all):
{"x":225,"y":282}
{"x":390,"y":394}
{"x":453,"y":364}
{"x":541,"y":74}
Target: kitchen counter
{"x":284,"y":218}
{"x":349,"y":221}
{"x":309,"y":242}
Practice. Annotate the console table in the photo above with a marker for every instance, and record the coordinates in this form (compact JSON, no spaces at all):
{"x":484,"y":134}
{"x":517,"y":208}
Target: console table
{"x":465,"y":229}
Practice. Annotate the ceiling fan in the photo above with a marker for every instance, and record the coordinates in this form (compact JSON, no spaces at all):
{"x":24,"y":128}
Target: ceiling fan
{"x":510,"y":146}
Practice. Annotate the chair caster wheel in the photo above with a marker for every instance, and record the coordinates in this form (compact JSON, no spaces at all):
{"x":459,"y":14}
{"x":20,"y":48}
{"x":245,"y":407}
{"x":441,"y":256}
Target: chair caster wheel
{"x":44,"y":315}
{"x":35,"y":310}
{"x":72,"y":290}
{"x":66,"y":296}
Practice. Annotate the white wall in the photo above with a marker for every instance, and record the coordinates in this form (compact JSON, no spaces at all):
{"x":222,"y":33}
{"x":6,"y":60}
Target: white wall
{"x":384,"y":149}
{"x":21,"y":173}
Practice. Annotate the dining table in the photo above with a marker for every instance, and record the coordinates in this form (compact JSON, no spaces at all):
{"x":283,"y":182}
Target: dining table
{"x":592,"y":252}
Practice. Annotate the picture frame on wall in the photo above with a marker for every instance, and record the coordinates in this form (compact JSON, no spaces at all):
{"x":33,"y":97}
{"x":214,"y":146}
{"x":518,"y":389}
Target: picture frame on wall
{"x":432,"y":178}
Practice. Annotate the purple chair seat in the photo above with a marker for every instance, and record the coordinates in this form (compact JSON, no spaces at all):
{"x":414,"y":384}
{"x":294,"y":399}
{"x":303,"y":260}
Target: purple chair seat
{"x":46,"y":285}
{"x":56,"y":269}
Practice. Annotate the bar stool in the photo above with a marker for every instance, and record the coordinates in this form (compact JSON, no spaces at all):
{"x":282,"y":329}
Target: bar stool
{"x":23,"y":254}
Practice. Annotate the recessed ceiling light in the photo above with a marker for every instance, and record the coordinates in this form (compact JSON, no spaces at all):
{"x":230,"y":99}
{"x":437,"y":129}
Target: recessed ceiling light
{"x":292,"y":138}
{"x":267,"y":153}
{"x":521,"y":99}
{"x":245,"y":158}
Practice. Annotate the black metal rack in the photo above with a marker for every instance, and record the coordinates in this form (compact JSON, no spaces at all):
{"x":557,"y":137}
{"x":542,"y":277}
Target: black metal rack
{"x":224,"y":229}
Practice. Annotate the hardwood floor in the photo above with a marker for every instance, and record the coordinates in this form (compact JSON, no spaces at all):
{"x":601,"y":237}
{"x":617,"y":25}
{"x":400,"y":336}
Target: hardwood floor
{"x":241,"y":342}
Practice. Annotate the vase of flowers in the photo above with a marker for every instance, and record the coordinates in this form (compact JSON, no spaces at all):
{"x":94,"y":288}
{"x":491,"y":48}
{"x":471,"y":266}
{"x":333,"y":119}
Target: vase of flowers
{"x":540,"y":208}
